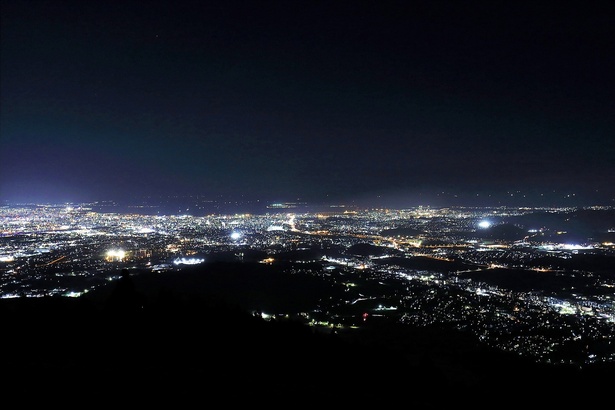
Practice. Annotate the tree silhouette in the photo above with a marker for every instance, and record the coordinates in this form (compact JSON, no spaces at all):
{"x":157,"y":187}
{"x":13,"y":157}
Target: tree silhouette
{"x":124,"y":297}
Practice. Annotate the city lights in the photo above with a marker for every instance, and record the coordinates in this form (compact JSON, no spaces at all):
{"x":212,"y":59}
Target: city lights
{"x":442,"y":263}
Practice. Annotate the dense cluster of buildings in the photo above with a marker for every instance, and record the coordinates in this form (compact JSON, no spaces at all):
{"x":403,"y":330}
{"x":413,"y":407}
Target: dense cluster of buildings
{"x":513,"y":277}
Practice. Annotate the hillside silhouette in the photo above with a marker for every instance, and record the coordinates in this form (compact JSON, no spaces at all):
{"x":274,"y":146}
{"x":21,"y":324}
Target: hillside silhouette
{"x":175,"y":341}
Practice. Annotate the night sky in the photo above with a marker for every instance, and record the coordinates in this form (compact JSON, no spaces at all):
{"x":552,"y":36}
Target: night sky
{"x":399,"y":101}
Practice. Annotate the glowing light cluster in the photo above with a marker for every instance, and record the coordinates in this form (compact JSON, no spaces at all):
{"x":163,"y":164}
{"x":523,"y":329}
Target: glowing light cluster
{"x":116,"y":254}
{"x":275,"y":228}
{"x":188,"y":261}
{"x":484,"y":224}
{"x":144,"y":230}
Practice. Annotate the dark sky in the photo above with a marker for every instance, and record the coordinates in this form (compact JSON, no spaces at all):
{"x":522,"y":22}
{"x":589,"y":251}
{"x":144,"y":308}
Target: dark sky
{"x":314,"y":100}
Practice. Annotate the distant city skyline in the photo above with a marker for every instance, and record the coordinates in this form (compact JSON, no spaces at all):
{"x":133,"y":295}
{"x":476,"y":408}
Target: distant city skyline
{"x":240,"y":202}
{"x":377,"y":104}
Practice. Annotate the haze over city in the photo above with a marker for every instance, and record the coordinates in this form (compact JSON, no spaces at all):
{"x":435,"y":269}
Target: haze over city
{"x":379,"y":103}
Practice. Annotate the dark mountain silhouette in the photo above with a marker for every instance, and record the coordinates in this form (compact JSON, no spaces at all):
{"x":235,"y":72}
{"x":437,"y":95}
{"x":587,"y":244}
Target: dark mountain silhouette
{"x":579,"y":225}
{"x":309,"y":254}
{"x":521,"y":280}
{"x":424,"y":263}
{"x":367,"y":249}
{"x":191,"y":341}
{"x":602,"y":265}
{"x":507,"y":232}
{"x":239,"y":254}
{"x":401,"y":231}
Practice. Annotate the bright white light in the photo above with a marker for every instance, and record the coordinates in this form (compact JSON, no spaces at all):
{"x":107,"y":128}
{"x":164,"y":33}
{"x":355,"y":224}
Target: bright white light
{"x":117,"y":254}
{"x":235,"y":235}
{"x":275,"y":228}
{"x":573,"y":246}
{"x":484,"y":224}
{"x":188,"y":261}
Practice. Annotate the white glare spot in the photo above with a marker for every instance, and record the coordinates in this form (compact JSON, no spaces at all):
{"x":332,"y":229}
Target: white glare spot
{"x":484,"y":224}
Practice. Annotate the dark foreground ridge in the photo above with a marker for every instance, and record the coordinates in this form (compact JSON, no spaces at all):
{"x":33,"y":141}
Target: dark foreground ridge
{"x":177,"y":348}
